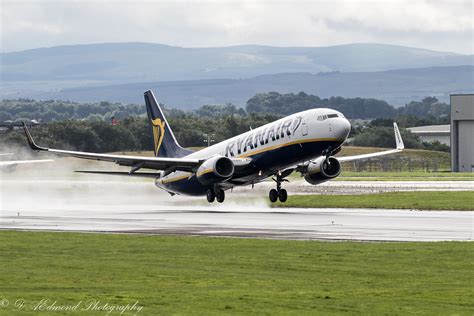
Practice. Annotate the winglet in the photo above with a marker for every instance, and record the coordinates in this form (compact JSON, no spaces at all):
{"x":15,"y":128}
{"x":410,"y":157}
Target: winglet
{"x":398,"y":137}
{"x":31,"y":142}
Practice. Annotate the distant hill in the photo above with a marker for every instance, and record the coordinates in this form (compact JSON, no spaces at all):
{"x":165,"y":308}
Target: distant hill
{"x":397,"y":87}
{"x":140,"y":62}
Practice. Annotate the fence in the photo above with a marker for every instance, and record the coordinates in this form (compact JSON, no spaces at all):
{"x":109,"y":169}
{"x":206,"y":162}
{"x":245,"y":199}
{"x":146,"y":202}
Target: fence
{"x":398,"y":164}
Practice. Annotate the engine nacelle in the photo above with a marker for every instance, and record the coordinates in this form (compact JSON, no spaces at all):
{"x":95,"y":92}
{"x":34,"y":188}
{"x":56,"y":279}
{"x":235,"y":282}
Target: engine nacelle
{"x":214,"y":170}
{"x":322,"y":170}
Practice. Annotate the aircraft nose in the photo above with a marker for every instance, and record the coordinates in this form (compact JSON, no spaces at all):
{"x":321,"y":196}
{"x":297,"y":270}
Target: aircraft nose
{"x":342,"y":128}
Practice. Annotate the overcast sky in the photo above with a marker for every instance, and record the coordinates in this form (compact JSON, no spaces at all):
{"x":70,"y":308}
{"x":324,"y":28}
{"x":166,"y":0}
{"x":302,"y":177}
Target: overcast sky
{"x":437,"y":24}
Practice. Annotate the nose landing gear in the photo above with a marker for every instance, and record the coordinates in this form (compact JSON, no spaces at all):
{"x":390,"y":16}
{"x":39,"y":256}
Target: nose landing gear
{"x":278,"y":193}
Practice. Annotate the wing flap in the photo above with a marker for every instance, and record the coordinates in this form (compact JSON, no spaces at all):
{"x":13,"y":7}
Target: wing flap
{"x":158,"y":163}
{"x":121,"y":173}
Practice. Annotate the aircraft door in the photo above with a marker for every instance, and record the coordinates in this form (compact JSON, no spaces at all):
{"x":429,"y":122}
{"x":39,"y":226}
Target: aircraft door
{"x":304,"y":128}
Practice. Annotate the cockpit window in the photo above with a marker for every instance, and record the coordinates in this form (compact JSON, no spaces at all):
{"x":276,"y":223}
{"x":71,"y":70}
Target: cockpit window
{"x":325,"y":117}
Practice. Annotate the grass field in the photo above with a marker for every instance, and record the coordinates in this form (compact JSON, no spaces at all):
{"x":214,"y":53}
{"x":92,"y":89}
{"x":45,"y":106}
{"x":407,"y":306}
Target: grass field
{"x":436,"y":200}
{"x":211,"y":276}
{"x":405,"y":176}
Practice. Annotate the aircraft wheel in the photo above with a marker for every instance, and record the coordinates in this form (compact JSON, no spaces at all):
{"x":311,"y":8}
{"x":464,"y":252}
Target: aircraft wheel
{"x":220,"y":196}
{"x":282,"y":195}
{"x":210,"y":196}
{"x":273,"y":195}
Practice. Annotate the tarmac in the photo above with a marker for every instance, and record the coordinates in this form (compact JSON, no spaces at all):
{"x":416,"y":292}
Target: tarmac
{"x":115,"y":206}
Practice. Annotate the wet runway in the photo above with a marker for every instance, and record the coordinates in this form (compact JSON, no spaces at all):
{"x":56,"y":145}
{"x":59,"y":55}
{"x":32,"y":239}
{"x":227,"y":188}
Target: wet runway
{"x":138,"y":207}
{"x":333,"y":224}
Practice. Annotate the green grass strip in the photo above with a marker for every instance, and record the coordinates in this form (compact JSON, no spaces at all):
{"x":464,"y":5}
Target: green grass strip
{"x":414,"y":174}
{"x":215,"y":276}
{"x":435,"y":200}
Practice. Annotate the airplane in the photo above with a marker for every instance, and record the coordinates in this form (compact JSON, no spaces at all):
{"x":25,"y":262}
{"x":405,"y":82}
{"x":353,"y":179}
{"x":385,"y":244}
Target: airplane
{"x":304,"y":142}
{"x":10,"y":166}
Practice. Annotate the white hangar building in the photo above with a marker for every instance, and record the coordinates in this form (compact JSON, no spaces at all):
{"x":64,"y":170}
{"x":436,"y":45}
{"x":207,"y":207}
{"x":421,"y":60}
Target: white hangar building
{"x":431,"y":133}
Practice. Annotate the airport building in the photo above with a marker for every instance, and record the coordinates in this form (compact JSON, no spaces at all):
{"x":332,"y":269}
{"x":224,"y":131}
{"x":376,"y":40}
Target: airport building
{"x":431,"y":133}
{"x":462,"y":132}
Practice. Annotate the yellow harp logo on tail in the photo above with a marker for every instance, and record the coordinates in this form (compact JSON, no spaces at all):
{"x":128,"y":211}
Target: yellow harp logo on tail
{"x":158,"y":133}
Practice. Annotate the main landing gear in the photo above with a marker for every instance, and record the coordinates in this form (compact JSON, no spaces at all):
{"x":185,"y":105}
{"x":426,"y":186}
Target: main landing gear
{"x":279,"y":193}
{"x":215,"y":194}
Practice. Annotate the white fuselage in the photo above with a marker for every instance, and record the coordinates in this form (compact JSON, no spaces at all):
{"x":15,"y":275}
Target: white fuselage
{"x":316,"y":125}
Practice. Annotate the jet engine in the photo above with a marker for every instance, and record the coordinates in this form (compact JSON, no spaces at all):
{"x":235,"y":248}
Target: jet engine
{"x":214,"y":170}
{"x":322,"y":170}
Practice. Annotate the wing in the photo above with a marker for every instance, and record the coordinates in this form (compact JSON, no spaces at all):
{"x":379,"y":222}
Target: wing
{"x":398,"y":141}
{"x":19,"y":162}
{"x":120,"y":173}
{"x":135,"y":162}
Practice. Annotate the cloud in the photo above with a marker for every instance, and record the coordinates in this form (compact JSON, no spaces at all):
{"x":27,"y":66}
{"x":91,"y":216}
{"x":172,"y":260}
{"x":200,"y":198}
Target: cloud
{"x":440,"y":25}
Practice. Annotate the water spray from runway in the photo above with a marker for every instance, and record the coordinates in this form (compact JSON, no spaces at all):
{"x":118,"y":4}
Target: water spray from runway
{"x":56,"y":186}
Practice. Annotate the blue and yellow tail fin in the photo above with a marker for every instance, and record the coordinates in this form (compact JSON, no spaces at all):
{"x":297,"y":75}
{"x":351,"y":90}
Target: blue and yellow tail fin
{"x":164,"y":141}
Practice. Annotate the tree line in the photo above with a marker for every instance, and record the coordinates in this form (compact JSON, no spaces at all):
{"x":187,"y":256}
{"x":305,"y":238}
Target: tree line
{"x":133,"y":133}
{"x":58,"y":110}
{"x":429,"y":110}
{"x":87,"y":126}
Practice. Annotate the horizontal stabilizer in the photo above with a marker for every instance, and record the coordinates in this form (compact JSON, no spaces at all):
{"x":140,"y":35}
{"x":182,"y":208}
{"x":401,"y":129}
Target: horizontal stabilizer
{"x":23,"y":162}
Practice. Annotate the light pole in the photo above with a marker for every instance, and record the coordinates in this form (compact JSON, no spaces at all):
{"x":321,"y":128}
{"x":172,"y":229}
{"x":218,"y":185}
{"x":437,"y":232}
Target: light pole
{"x":209,"y":138}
